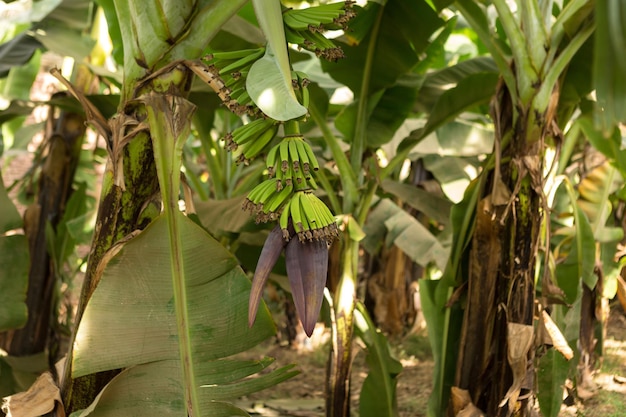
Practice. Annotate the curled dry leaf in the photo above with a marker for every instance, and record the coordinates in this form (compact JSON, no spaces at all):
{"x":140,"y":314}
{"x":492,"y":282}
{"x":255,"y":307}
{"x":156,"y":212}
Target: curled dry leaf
{"x":37,"y":401}
{"x":558,"y":340}
{"x":462,"y":404}
{"x":519,"y":342}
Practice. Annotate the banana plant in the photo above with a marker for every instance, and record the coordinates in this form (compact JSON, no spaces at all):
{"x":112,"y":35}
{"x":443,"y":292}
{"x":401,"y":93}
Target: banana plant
{"x":489,"y":286}
{"x":145,"y":138}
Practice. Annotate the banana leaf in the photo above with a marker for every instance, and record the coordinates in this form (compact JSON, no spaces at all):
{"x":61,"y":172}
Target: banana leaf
{"x":170,"y":306}
{"x":14,"y":266}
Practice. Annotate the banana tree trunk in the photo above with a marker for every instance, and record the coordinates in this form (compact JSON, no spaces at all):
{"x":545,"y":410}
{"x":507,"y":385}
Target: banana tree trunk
{"x":64,"y":139}
{"x":495,"y":370}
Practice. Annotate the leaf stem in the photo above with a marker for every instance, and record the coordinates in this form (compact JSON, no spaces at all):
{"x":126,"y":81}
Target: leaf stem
{"x":542,"y":98}
{"x":478,"y":21}
{"x":526,"y":73}
{"x":169,"y":134}
{"x":362,"y":116}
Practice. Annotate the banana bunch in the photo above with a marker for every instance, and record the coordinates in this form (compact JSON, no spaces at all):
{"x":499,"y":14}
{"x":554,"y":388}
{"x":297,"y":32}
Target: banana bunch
{"x":248,"y":140}
{"x":291,"y":161}
{"x":229,"y":70}
{"x":311,"y":218}
{"x":267,"y":199}
{"x":304,"y":27}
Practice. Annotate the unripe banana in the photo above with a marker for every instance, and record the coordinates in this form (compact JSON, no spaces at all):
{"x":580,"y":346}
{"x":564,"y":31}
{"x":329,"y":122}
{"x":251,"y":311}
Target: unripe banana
{"x":270,"y":161}
{"x":260,"y":142}
{"x":293,"y":153}
{"x":295,"y":213}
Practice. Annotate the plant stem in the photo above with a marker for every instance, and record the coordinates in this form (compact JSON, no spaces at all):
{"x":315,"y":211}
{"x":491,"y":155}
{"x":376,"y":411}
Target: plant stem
{"x":360,"y":129}
{"x":214,"y":167}
{"x":291,"y":128}
{"x":338,"y":388}
{"x":346,"y":174}
{"x":366,"y":202}
{"x":330,"y":191}
{"x":526,"y":75}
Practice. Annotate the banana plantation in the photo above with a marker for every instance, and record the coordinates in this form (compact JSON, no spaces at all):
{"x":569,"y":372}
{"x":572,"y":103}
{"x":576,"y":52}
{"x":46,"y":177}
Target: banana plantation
{"x":192,"y":189}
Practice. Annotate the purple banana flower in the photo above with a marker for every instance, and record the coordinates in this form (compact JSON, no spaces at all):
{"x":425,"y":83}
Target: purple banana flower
{"x":307,"y":267}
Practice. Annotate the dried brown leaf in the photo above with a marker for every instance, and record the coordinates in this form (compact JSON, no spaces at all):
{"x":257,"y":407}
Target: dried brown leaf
{"x":38,"y":400}
{"x":519,"y":342}
{"x":558,"y":340}
{"x":462,"y":405}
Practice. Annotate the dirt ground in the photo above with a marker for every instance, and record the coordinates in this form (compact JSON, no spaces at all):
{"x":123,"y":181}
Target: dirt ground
{"x":303,"y":395}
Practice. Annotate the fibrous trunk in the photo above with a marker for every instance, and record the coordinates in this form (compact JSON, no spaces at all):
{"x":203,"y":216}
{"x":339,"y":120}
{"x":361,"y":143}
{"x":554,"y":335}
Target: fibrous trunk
{"x":495,"y":354}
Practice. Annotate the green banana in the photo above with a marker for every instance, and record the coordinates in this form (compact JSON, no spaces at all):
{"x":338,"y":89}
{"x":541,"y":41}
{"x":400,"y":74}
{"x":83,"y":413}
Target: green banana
{"x":306,"y":225}
{"x":294,"y":211}
{"x":288,"y":175}
{"x":262,"y":192}
{"x":244,"y":62}
{"x":312,"y":158}
{"x":300,"y":180}
{"x":250,"y":131}
{"x":309,"y":210}
{"x":293,"y":153}
{"x":259,"y":194}
{"x":255,"y":147}
{"x":284,"y":155}
{"x":231,"y":55}
{"x":284,"y":219}
{"x":270,"y":160}
{"x":274,"y":204}
{"x":293,"y":37}
{"x":303,"y":155}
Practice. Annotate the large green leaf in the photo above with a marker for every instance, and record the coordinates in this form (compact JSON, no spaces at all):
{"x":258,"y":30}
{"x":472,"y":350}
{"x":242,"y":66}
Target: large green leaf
{"x":472,"y":91}
{"x":610,"y":145}
{"x":610,"y":64}
{"x":433,"y":206}
{"x":183,"y":308}
{"x":392,"y":107}
{"x":17,"y":51}
{"x":141,"y":315}
{"x":551,"y":373}
{"x":438,"y":82}
{"x":146,"y":391}
{"x":578,"y":265}
{"x":404,"y":231}
{"x":405,"y":31}
{"x":14,"y":266}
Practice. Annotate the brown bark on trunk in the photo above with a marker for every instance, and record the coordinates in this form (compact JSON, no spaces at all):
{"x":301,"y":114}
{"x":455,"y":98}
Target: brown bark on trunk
{"x":64,"y":140}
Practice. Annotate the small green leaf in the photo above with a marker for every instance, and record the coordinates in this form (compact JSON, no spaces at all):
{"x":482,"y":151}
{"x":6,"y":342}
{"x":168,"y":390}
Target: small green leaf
{"x":551,"y":374}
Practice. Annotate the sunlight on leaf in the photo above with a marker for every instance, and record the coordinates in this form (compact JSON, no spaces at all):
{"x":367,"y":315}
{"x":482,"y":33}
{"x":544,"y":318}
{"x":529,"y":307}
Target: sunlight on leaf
{"x":270,"y":91}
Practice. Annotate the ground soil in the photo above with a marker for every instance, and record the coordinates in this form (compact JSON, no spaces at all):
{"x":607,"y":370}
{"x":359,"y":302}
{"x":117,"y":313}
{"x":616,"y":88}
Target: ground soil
{"x":303,"y":395}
